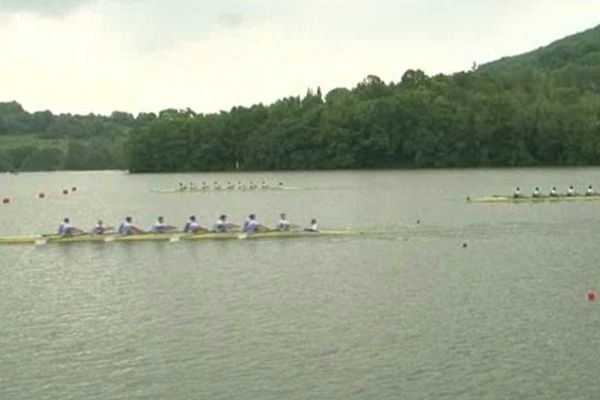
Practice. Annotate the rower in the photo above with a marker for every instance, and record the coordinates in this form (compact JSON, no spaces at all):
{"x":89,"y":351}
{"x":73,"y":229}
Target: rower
{"x":205,"y":186}
{"x":553,"y":192}
{"x":264,"y":185}
{"x":589,"y":191}
{"x":283,"y":224}
{"x":252,"y":186}
{"x":100,"y":228}
{"x":536,"y":192}
{"x":221,"y":224}
{"x":313,"y":226}
{"x":251,"y":226}
{"x":217,"y":186}
{"x":127,"y":227}
{"x":192,"y":186}
{"x":517,"y":193}
{"x":192,"y":226}
{"x":570,"y":191}
{"x":66,"y":229}
{"x":230,"y":185}
{"x":160,"y":226}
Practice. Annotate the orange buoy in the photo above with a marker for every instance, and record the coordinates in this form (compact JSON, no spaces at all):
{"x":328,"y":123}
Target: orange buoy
{"x":65,"y":191}
{"x":5,"y":200}
{"x":592,"y":295}
{"x":41,"y":195}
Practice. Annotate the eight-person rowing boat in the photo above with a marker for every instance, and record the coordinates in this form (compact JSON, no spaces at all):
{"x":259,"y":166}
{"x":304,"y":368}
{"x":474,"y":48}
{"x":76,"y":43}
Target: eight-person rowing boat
{"x":161,"y":231}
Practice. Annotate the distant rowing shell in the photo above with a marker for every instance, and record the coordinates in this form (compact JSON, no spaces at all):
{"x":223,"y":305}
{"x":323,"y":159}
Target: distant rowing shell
{"x":211,"y":190}
{"x":171,"y":237}
{"x":543,"y":199}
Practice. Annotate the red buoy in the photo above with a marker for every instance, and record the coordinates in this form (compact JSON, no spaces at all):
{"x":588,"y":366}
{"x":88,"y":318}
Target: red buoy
{"x":41,"y":195}
{"x":65,"y":191}
{"x":592,"y":295}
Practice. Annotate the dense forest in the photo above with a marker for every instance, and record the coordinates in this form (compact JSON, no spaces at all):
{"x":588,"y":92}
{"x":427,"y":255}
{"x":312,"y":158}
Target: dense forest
{"x":539,"y":108}
{"x":44,"y":141}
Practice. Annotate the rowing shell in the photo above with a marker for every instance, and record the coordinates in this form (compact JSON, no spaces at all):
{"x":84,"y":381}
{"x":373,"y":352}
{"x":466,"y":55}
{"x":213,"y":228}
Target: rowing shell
{"x":169,"y":237}
{"x":511,"y":199}
{"x":213,"y":190}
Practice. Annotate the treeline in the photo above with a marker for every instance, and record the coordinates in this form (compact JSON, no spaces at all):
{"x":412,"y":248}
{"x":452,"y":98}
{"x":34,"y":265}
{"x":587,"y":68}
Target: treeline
{"x":44,"y":141}
{"x":467,"y":119}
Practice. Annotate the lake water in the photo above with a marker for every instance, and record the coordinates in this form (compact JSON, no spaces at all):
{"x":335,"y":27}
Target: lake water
{"x":411,"y":314}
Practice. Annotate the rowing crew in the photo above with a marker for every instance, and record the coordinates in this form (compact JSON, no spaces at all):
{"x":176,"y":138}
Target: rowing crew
{"x":553,"y":193}
{"x":127,"y":227}
{"x":229,"y":186}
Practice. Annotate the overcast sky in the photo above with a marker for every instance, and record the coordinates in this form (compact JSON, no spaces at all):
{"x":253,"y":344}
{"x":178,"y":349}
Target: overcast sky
{"x":82,"y":56}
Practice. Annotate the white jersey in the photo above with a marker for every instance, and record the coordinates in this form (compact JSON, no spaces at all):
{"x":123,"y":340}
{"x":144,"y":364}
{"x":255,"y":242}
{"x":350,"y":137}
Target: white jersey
{"x":64,"y":228}
{"x":249,"y":225}
{"x":220,"y":226}
{"x":99,"y":228}
{"x":190,"y":226}
{"x":158,"y":227}
{"x":125,"y":228}
{"x":282,"y":225}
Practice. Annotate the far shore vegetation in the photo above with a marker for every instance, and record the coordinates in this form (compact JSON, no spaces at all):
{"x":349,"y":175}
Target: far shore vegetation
{"x":539,"y":108}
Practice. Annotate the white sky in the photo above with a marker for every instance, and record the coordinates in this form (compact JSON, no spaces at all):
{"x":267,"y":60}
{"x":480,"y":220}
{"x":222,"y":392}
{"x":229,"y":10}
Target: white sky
{"x":82,"y":56}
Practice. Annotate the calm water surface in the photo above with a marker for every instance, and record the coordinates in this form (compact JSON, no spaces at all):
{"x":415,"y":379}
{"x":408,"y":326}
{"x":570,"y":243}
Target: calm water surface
{"x":408,"y":314}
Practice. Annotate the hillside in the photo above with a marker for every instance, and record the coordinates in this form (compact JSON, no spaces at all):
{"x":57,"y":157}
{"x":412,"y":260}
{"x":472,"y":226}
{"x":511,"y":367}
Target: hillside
{"x":582,"y":49}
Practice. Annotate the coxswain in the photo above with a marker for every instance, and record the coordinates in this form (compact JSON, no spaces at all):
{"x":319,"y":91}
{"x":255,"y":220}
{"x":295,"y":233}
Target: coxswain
{"x":127,"y":227}
{"x":160,"y":226}
{"x":66,"y":229}
{"x":100,"y":228}
{"x":192,"y":226}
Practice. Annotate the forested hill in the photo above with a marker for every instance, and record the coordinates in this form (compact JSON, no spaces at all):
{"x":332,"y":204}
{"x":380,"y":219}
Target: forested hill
{"x":539,"y":108}
{"x":581,"y":49}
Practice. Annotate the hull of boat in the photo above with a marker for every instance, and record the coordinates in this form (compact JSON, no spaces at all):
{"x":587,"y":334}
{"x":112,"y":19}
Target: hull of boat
{"x":544,"y":199}
{"x":170,"y":237}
